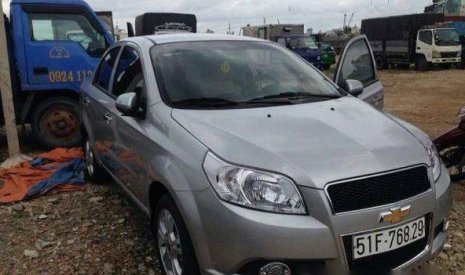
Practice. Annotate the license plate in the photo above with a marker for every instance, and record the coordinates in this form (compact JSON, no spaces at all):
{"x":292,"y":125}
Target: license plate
{"x":370,"y":244}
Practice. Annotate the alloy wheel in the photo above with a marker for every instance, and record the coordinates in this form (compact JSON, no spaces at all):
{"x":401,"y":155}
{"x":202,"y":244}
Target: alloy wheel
{"x":169,"y":243}
{"x":89,"y":159}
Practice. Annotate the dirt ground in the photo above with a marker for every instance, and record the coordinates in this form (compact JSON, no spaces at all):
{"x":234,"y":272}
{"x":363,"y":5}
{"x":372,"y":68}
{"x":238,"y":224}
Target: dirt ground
{"x":98,"y":231}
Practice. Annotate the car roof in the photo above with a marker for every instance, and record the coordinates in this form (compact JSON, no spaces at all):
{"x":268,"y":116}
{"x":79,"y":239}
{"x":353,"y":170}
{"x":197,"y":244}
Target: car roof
{"x":193,"y":37}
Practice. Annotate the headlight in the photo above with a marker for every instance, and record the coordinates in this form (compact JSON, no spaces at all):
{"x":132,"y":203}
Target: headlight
{"x":435,"y":161}
{"x":253,"y":188}
{"x":436,"y":54}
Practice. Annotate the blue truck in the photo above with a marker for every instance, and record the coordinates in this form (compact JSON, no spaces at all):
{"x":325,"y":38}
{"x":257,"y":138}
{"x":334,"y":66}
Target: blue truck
{"x":53,"y":46}
{"x":290,"y":36}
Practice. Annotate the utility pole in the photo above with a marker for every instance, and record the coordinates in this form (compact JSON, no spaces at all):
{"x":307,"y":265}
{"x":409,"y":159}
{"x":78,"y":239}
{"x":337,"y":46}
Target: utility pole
{"x":6,"y":91}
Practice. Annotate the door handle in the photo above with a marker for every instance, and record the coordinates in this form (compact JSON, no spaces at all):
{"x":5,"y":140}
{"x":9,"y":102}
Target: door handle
{"x":40,"y":70}
{"x":86,"y":100}
{"x":418,"y":48}
{"x":108,"y":117}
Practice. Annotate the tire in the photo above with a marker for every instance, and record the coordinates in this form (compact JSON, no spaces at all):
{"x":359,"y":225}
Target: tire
{"x":55,"y":123}
{"x":380,"y":63}
{"x":461,"y":64}
{"x":94,"y":172}
{"x":177,"y":238}
{"x":421,"y":64}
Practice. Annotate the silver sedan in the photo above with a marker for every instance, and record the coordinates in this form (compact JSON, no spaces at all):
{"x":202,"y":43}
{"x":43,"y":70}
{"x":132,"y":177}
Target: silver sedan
{"x":248,"y":160}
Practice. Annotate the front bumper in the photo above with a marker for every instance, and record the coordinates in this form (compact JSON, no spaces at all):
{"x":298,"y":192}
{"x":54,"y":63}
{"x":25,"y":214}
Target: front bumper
{"x":447,"y":60}
{"x":228,"y":239}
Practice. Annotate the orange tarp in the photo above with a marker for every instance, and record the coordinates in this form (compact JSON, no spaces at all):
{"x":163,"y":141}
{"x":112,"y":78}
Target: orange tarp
{"x":17,"y":181}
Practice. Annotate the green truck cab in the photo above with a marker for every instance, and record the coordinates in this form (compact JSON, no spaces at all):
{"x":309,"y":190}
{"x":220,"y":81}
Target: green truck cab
{"x":328,"y":55}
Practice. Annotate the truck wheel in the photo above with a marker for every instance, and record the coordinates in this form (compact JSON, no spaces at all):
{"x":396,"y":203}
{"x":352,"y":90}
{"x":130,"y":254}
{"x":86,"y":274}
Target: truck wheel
{"x":421,"y":64}
{"x":55,"y":123}
{"x":380,"y":63}
{"x":175,"y":249}
{"x":461,"y":64}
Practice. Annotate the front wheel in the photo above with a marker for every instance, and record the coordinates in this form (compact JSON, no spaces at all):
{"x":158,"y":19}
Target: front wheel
{"x":461,"y":64}
{"x":421,"y":64}
{"x":175,"y":248}
{"x":55,"y":123}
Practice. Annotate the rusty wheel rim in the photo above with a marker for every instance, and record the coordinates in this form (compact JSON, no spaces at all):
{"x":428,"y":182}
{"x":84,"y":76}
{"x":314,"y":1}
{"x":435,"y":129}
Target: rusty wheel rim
{"x":59,"y":123}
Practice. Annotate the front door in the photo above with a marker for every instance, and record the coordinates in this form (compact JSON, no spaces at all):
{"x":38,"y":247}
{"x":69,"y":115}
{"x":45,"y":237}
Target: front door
{"x":357,"y":62}
{"x":62,"y":48}
{"x":131,"y":148}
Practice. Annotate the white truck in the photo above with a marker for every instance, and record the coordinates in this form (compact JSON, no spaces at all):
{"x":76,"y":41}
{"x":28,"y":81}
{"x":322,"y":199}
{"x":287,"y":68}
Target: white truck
{"x":416,"y":38}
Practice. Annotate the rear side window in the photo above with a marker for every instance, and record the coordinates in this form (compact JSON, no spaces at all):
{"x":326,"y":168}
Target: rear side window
{"x":129,"y":77}
{"x":358,"y":64}
{"x":426,"y":37}
{"x":103,"y":75}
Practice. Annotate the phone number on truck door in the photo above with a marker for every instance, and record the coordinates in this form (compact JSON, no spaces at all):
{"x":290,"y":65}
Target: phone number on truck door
{"x":68,"y":76}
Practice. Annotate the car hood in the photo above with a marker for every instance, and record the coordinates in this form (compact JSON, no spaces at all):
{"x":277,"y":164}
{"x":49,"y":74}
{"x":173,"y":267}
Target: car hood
{"x":314,"y":143}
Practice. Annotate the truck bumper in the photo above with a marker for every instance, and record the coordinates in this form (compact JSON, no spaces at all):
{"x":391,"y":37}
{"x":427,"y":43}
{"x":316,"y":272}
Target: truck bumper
{"x":447,"y":60}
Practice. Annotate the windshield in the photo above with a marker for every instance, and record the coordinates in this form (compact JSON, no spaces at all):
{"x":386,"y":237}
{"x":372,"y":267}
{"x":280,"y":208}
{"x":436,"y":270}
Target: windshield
{"x":301,"y":43}
{"x":229,"y":73}
{"x":446,"y":37}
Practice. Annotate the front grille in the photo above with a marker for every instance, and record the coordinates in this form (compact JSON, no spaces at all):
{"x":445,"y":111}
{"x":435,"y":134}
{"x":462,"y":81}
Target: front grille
{"x":389,"y":260}
{"x":449,"y":54}
{"x":378,"y":190}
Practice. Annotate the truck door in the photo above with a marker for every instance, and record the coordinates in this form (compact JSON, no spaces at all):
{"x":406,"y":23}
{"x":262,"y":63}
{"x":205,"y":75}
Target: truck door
{"x":357,"y":62}
{"x":63,"y":45}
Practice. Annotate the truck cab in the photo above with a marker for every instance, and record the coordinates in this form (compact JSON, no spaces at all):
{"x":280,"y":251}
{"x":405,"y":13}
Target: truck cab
{"x":55,"y":46}
{"x":438,"y":46}
{"x":304,"y":46}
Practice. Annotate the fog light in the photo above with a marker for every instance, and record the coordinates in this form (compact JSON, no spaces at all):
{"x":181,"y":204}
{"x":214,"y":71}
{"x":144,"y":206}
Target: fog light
{"x":275,"y":269}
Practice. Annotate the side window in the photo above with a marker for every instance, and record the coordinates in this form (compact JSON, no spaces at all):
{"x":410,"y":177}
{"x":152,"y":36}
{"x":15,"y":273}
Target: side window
{"x":358,"y":64}
{"x":426,"y":37}
{"x":129,"y":76}
{"x":103,"y":74}
{"x":67,"y":27}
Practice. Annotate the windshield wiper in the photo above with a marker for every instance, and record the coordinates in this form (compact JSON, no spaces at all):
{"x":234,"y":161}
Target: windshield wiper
{"x":290,"y":96}
{"x":205,"y":102}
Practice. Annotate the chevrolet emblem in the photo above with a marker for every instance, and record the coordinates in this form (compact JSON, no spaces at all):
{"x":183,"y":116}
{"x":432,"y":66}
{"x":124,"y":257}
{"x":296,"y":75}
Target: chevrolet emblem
{"x":395,"y":215}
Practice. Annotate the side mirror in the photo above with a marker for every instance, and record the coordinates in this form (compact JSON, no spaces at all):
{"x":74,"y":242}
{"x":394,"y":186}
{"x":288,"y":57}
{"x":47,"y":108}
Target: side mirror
{"x":354,"y":87}
{"x":127,"y":104}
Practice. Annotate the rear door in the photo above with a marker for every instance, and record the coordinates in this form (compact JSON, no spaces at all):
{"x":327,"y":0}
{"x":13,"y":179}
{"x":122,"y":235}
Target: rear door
{"x":98,"y":103}
{"x":63,"y":46}
{"x":357,"y":62}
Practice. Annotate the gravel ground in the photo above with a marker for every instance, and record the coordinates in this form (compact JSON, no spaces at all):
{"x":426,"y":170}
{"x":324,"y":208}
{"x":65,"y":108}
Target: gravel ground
{"x":98,"y":231}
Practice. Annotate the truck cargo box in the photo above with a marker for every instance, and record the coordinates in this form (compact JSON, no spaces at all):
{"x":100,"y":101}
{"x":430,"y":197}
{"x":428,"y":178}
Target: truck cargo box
{"x":153,"y":23}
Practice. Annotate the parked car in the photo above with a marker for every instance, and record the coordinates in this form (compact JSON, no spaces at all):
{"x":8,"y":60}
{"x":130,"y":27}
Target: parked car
{"x":248,"y":160}
{"x":451,"y":148}
{"x":328,"y":55}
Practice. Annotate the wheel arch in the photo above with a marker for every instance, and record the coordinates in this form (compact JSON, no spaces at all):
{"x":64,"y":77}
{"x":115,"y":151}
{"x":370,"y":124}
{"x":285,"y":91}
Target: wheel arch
{"x":156,"y":191}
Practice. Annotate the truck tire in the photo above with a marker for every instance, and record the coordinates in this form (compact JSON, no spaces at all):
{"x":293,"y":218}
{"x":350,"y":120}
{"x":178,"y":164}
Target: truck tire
{"x":380,"y":63}
{"x":461,"y":64}
{"x":55,"y":123}
{"x":421,"y":64}
{"x":170,"y":230}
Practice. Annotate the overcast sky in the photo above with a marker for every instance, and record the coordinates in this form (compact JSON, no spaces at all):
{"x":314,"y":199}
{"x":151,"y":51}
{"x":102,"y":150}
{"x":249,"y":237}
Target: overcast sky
{"x":216,"y":14}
